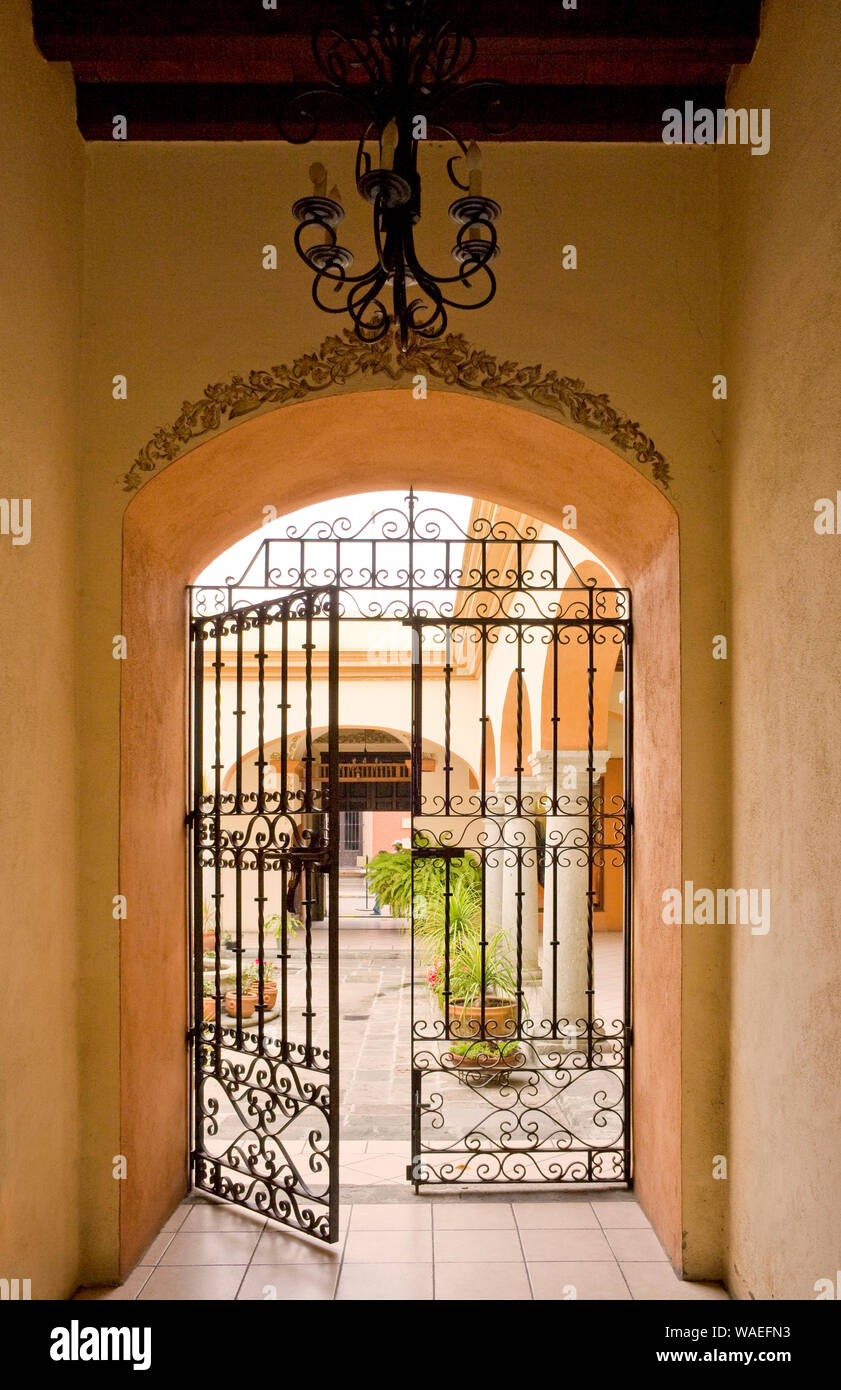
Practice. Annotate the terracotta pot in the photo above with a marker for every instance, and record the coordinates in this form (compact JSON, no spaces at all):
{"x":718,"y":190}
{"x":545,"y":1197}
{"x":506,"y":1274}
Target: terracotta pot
{"x":209,"y":1006}
{"x":500,"y":1018}
{"x":269,"y":993}
{"x":249,"y":1003}
{"x":208,"y":939}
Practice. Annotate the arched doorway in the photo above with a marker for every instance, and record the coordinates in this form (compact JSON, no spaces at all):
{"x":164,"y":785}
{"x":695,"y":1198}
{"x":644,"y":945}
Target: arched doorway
{"x":191,"y":511}
{"x":476,"y":605}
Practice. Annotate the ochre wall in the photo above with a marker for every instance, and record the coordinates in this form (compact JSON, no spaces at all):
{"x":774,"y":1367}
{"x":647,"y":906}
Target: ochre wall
{"x":386,"y":828}
{"x":782,"y":292}
{"x":41,"y":155}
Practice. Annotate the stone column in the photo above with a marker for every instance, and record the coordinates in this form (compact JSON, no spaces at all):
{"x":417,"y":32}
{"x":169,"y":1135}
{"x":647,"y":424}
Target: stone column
{"x":565,"y":888}
{"x":518,"y":869}
{"x":492,"y":862}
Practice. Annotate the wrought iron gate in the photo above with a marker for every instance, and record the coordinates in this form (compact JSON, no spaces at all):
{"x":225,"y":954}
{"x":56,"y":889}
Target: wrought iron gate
{"x":265,"y":1074}
{"x":515,"y":1075}
{"x":520,"y":1060}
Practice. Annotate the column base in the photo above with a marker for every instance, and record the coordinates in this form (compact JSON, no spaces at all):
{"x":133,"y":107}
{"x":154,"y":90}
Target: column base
{"x":547,"y":1046}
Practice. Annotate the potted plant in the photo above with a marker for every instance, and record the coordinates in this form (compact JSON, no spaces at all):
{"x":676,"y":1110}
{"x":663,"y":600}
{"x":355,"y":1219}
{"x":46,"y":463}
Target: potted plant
{"x":265,"y":973}
{"x":248,"y":997}
{"x":485,"y":1056}
{"x":209,"y":1000}
{"x":469,"y":973}
{"x":274,"y":924}
{"x":483,"y":980}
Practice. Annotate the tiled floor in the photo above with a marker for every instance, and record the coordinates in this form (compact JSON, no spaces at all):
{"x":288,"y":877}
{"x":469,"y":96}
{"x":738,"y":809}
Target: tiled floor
{"x":522,"y":1244}
{"x":561,"y":1248}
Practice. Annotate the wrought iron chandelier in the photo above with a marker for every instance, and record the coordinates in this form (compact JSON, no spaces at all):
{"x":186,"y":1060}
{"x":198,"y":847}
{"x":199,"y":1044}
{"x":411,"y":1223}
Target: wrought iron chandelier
{"x":400,"y":77}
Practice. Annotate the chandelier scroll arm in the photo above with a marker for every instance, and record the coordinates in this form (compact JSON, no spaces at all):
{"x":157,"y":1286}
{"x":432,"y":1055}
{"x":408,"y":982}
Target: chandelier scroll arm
{"x":487,"y":84}
{"x":445,"y":72}
{"x":432,"y":285}
{"x":413,"y":59}
{"x":480,"y":303}
{"x":295,"y":106}
{"x":334,"y":67}
{"x":353,"y":283}
{"x":370,"y":331}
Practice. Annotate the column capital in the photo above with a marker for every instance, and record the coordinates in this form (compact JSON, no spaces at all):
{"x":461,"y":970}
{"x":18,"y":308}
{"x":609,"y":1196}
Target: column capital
{"x":564,"y":758}
{"x":506,"y":796}
{"x":507,"y":785}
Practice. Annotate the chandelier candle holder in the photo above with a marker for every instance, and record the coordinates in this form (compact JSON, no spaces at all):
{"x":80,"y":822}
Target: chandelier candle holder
{"x":399,"y":77}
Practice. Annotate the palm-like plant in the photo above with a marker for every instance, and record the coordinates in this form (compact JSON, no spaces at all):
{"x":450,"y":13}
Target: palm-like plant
{"x":456,"y":918}
{"x":250,"y":978}
{"x":476,"y":971}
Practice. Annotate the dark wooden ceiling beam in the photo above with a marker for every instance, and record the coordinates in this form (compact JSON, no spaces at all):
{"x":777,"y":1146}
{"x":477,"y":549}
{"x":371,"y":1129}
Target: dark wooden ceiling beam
{"x":63,"y":22}
{"x":224,"y":112}
{"x":564,"y":63}
{"x":217,"y":69}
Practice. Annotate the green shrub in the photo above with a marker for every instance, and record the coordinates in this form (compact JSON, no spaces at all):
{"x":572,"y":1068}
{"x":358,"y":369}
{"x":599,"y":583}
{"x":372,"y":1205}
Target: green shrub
{"x":487,"y":1050}
{"x":390,"y":878}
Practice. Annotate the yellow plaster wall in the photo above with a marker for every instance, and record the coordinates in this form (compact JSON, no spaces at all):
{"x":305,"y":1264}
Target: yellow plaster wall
{"x":41,"y":155}
{"x":782,"y":295}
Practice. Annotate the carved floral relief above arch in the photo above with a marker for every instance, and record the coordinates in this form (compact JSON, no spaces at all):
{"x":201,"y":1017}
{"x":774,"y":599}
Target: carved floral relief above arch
{"x":450,"y":360}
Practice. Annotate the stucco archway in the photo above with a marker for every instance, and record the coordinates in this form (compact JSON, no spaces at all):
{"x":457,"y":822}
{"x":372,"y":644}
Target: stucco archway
{"x":307,"y":452}
{"x":515,"y":739}
{"x":572,"y":660}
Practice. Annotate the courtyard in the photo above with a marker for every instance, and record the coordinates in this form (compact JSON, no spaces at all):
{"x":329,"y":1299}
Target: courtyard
{"x":376,"y":1064}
